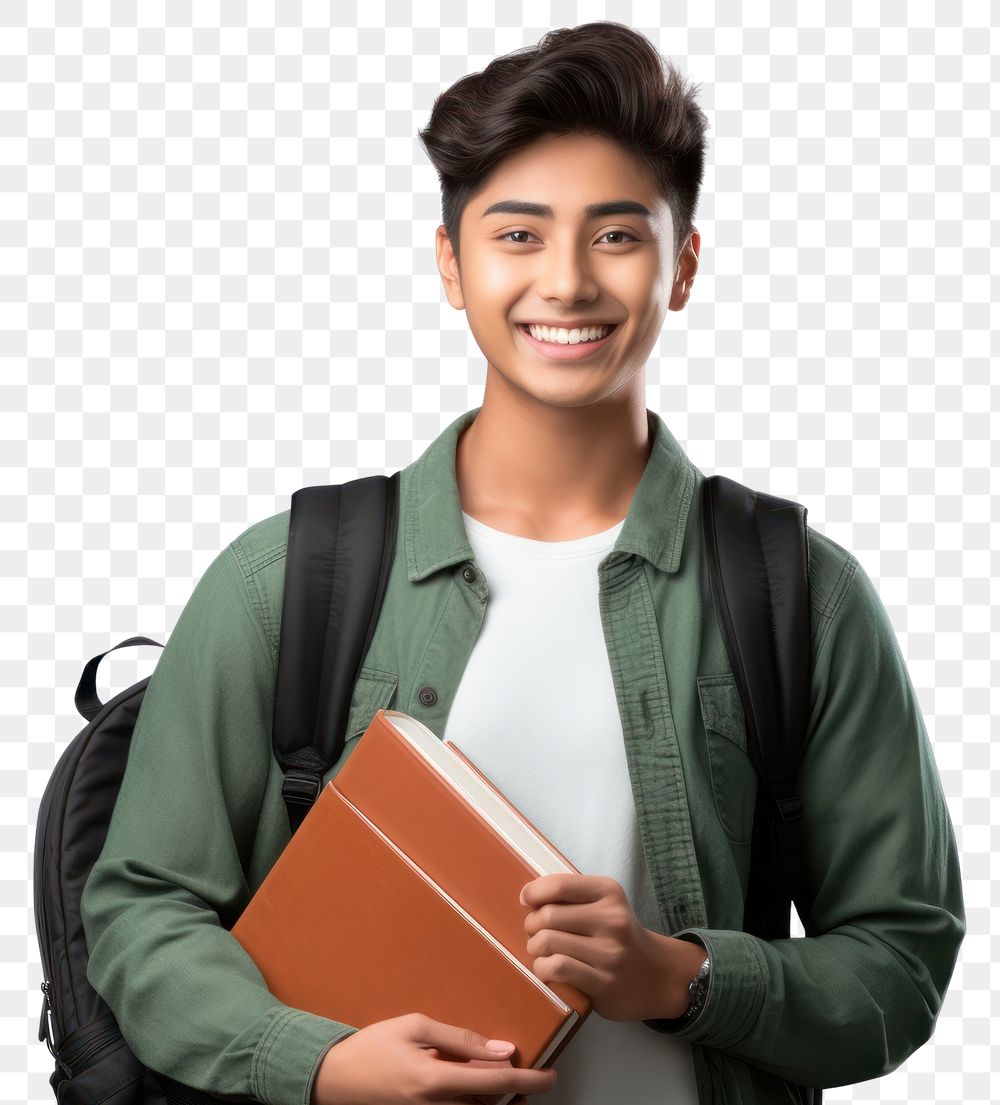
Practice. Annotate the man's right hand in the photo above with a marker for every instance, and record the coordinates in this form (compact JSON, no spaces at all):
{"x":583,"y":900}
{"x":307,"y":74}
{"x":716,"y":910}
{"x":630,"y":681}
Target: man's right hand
{"x":414,"y":1060}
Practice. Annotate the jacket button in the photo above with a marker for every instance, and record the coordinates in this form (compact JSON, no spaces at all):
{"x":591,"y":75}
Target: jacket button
{"x":427,"y":695}
{"x":469,"y":574}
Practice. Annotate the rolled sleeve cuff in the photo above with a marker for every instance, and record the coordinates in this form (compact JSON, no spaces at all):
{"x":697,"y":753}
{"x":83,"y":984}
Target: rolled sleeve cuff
{"x":289,"y":1056}
{"x":736,"y":989}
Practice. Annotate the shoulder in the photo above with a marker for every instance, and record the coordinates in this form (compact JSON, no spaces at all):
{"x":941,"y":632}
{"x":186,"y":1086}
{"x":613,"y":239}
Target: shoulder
{"x":841,"y":591}
{"x":831,"y":568}
{"x":262,"y":543}
{"x":259,"y":554}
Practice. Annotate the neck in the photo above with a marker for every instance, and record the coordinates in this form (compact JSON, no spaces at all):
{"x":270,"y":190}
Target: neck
{"x":549,"y":472}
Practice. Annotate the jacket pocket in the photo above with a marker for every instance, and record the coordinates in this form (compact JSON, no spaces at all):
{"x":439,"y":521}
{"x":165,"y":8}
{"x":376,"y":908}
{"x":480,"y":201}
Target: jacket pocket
{"x":374,"y":690}
{"x":734,"y":778}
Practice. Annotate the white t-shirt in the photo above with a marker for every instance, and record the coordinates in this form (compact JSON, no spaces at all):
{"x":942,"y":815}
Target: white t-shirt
{"x":536,"y":711}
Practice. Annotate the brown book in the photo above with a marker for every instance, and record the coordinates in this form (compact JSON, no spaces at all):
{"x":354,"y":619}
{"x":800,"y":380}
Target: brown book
{"x":399,"y":894}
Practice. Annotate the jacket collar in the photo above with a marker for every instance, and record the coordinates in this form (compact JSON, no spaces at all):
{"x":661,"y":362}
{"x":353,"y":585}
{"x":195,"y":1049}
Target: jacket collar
{"x":434,"y":531}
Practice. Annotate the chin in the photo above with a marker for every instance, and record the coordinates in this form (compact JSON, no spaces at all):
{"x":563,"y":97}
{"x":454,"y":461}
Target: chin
{"x":568,"y":397}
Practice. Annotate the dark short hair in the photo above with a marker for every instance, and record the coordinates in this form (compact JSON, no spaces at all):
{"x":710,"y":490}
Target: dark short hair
{"x":603,"y":78}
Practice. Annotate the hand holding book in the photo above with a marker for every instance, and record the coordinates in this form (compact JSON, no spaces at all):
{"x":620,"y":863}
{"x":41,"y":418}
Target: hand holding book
{"x":413,"y":1060}
{"x":583,"y":931}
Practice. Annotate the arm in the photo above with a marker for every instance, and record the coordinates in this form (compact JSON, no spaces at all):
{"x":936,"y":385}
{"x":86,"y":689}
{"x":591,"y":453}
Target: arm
{"x":188,"y":999}
{"x":862,"y":990}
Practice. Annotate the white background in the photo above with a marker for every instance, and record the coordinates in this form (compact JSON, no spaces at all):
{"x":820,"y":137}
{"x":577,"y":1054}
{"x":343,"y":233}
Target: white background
{"x":218,"y":284}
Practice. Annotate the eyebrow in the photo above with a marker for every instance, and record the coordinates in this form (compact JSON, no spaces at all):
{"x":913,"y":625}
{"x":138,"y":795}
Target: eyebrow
{"x":593,"y":211}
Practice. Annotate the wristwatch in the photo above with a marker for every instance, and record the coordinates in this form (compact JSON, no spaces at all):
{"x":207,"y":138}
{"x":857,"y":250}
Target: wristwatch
{"x":698,"y":989}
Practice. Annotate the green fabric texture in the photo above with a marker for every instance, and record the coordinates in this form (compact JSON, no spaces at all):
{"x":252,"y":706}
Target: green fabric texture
{"x":200,"y":818}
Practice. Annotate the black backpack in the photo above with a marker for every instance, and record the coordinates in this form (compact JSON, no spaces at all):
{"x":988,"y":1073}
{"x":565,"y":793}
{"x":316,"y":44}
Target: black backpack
{"x":756,"y":546}
{"x":327,"y":624}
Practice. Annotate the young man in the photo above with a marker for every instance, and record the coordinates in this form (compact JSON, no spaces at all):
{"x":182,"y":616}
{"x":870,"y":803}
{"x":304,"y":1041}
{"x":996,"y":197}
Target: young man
{"x":548,"y":610}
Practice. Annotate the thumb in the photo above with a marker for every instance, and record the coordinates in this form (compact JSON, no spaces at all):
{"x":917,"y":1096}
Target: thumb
{"x":464,"y":1043}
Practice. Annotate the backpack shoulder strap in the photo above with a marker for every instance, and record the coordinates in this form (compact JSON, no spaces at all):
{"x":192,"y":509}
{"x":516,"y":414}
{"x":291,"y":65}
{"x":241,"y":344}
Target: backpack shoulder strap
{"x":757,"y":554}
{"x":341,"y":540}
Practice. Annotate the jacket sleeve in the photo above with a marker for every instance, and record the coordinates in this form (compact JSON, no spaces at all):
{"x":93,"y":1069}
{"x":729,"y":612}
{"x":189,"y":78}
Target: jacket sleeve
{"x":861,"y":991}
{"x":170,"y":880}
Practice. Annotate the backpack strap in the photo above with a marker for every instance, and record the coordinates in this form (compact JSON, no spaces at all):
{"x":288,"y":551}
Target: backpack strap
{"x":757,"y":554}
{"x":341,"y":539}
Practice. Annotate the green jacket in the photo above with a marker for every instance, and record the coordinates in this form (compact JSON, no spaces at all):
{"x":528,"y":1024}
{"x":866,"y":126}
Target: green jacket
{"x":200,"y":818}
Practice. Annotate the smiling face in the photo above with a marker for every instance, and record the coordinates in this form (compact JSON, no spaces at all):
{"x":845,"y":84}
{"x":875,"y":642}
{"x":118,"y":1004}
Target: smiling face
{"x":570,"y":231}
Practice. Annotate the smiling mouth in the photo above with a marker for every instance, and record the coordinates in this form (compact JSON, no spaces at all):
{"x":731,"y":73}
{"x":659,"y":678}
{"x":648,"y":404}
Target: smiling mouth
{"x":570,"y":352}
{"x":608,"y":328}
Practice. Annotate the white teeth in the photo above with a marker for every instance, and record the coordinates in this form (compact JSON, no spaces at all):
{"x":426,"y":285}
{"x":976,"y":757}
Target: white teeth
{"x":568,"y":337}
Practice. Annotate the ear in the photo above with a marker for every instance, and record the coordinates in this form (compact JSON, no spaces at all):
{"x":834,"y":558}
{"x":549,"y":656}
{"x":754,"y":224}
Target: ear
{"x":448,"y":267}
{"x":685,"y":271}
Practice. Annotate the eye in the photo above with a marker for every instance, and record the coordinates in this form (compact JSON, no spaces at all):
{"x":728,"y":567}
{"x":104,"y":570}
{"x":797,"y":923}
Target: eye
{"x":507,"y":237}
{"x":631,"y":237}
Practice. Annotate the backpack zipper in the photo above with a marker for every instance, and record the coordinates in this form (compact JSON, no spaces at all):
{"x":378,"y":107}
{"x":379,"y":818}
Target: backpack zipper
{"x":44,"y":1030}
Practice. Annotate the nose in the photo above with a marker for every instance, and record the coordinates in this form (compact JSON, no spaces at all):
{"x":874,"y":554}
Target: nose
{"x":565,"y":275}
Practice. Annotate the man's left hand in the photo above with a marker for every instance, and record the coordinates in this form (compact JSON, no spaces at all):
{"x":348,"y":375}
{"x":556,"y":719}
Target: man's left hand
{"x":583,"y":931}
